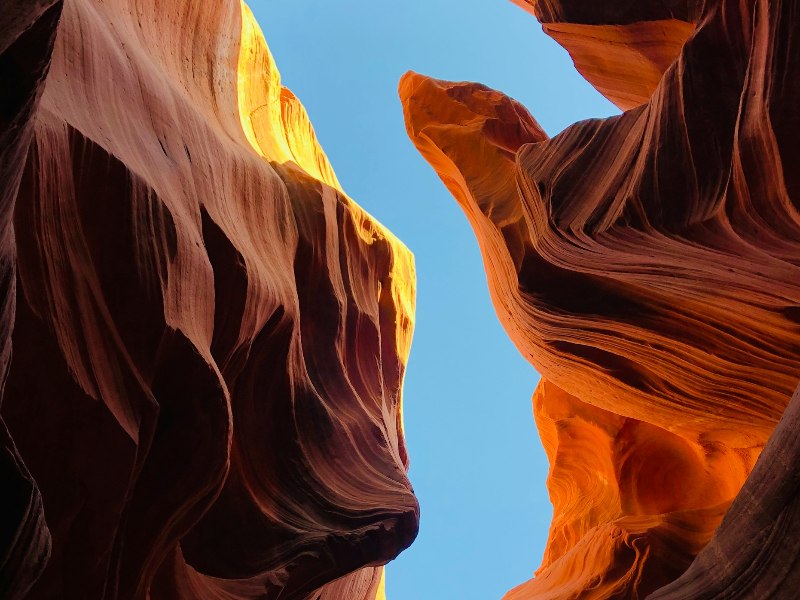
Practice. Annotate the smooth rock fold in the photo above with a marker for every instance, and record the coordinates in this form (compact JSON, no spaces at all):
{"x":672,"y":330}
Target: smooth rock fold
{"x":647,"y":266}
{"x":210,"y":336}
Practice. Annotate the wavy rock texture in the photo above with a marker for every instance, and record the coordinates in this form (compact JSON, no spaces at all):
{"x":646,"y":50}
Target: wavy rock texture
{"x":754,"y":553}
{"x":210,"y":336}
{"x":621,"y":48}
{"x":27,"y":33}
{"x":632,"y":502}
{"x":647,"y":266}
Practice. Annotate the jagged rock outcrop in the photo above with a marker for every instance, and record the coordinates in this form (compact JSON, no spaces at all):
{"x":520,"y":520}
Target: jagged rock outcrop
{"x":647,"y":266}
{"x":210,"y":336}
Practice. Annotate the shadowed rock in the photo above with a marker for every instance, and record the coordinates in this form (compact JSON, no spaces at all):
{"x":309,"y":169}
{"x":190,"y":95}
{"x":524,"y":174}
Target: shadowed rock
{"x":647,"y":266}
{"x":210,"y":338}
{"x":27,"y":33}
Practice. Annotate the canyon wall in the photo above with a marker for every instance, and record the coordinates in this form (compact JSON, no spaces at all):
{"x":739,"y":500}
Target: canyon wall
{"x":203,"y":338}
{"x":648,"y":266}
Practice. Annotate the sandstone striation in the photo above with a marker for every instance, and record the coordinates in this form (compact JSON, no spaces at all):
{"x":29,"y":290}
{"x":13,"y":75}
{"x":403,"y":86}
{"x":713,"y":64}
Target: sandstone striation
{"x":27,"y":33}
{"x":647,"y":266}
{"x":621,"y":48}
{"x":210,"y":337}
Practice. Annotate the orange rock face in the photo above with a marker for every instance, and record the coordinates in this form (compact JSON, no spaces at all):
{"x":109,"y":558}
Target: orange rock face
{"x":210,"y":336}
{"x":622,"y":49}
{"x":647,"y":266}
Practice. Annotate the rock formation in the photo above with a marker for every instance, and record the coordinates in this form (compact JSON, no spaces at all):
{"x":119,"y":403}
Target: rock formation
{"x":27,"y":32}
{"x":209,"y":338}
{"x":754,"y":553}
{"x":648,"y":266}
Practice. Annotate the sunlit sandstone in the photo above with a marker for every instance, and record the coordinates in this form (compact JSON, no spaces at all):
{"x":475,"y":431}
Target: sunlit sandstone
{"x":209,"y":338}
{"x":647,"y":266}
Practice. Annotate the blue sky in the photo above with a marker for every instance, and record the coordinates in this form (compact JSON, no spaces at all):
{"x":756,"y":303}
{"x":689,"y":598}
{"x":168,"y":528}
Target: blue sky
{"x":477,"y":464}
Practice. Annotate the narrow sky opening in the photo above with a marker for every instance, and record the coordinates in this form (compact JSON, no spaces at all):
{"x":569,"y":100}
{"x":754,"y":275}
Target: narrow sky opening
{"x":477,"y":464}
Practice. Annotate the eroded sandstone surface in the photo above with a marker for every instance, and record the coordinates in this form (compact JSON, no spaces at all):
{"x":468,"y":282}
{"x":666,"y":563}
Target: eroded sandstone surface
{"x":647,"y":266}
{"x":202,"y":391}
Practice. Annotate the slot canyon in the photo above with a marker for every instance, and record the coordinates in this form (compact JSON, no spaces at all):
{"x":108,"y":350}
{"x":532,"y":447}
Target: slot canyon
{"x":647,"y":265}
{"x":203,"y":338}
